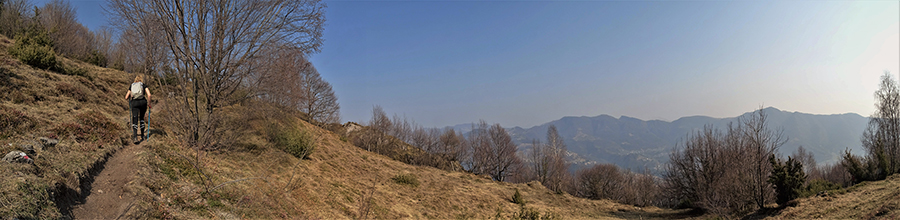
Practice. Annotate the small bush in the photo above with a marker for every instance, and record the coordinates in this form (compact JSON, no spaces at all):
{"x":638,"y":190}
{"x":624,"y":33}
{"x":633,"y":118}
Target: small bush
{"x":96,"y":58}
{"x":532,"y":214}
{"x":41,"y":57}
{"x":293,"y":141}
{"x":406,"y":179}
{"x":528,"y":214}
{"x":818,"y":185}
{"x":517,"y":198}
{"x":34,"y":48}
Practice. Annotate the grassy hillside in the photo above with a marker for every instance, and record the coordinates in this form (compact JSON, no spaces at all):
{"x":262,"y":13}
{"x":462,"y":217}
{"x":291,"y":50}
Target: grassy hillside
{"x":83,"y":111}
{"x":252,"y":178}
{"x":866,"y":200}
{"x":256,"y":179}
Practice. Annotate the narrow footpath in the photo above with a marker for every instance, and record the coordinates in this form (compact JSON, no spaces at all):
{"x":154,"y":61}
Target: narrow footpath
{"x":108,"y":197}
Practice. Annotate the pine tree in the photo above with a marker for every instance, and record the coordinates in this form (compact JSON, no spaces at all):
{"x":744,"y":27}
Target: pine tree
{"x":787,"y":178}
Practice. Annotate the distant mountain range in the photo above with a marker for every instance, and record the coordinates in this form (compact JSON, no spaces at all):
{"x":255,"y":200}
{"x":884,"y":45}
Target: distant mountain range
{"x":637,"y":144}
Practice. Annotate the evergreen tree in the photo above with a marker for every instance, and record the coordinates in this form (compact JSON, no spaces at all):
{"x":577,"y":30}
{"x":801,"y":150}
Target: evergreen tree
{"x":787,"y":178}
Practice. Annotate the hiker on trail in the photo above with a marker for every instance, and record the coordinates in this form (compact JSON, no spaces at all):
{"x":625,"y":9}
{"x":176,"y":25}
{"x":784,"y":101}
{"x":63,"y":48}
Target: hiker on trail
{"x":138,"y":95}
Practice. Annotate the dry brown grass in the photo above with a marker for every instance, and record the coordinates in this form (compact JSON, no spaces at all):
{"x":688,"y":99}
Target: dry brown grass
{"x":867,"y":200}
{"x":49,"y":101}
{"x":338,"y":181}
{"x":250,"y":179}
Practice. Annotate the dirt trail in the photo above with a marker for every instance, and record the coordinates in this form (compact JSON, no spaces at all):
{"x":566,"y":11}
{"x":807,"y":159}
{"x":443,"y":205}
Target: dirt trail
{"x":108,"y":197}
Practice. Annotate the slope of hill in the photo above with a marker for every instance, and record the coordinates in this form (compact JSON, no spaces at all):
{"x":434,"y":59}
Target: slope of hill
{"x":866,"y":200}
{"x":254,"y":179}
{"x":251,"y":178}
{"x":82,"y":109}
{"x":636,"y":144}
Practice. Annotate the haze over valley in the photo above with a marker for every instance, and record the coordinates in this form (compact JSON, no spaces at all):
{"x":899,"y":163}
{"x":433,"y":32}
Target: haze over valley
{"x":637,"y":144}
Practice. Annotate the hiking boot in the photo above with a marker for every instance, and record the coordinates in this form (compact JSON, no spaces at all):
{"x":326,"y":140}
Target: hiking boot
{"x":136,"y":140}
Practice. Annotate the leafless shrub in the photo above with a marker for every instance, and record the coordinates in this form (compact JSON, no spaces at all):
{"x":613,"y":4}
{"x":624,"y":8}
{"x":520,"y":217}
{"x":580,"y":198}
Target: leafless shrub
{"x":425,"y":146}
{"x":725,"y":172}
{"x":602,"y":181}
{"x":492,"y":152}
{"x":607,"y":181}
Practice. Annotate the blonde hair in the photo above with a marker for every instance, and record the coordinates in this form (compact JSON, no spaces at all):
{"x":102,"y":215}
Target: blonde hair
{"x":139,"y":78}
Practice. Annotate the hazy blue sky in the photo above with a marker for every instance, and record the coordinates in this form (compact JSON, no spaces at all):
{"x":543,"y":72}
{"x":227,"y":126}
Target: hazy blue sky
{"x":522,"y":63}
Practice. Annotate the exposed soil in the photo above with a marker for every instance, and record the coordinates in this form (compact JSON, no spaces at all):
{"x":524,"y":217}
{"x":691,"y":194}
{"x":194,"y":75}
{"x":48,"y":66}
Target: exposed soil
{"x":108,"y":198}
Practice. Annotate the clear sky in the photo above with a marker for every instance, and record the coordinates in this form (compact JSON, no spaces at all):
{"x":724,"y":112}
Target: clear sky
{"x":523,"y":63}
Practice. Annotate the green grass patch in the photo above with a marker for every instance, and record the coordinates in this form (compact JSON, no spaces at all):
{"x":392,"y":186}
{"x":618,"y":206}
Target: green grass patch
{"x":406,"y":179}
{"x":818,"y":185}
{"x":517,"y":198}
{"x":292,"y":140}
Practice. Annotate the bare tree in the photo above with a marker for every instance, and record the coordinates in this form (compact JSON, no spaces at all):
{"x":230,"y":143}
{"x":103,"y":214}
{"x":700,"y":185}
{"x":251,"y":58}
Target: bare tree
{"x":539,"y":161}
{"x":720,"y":172}
{"x":212,"y":44}
{"x":696,"y":168}
{"x":380,"y":120}
{"x":140,"y":48}
{"x":836,"y":173}
{"x":492,"y":152}
{"x":427,"y":139}
{"x":602,"y":181}
{"x":761,"y":142}
{"x":558,"y":167}
{"x":809,"y":163}
{"x":374,"y":138}
{"x":104,"y":44}
{"x":402,"y":128}
{"x":881,"y":139}
{"x":548,"y":161}
{"x":70,"y":37}
{"x":477,"y":154}
{"x":15,"y":16}
{"x":503,"y":159}
{"x":450,"y":146}
{"x":277,"y":75}
{"x":319,"y":101}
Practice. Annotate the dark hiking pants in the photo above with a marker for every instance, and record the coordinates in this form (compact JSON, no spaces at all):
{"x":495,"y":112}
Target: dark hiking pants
{"x":138,"y":108}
